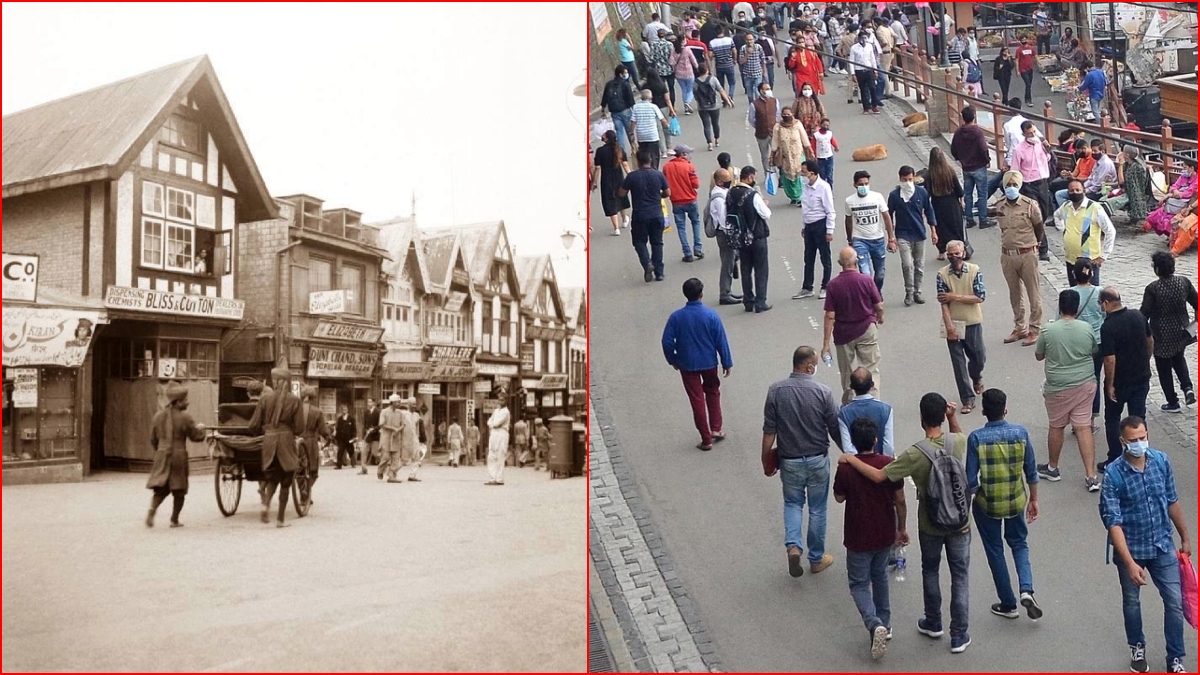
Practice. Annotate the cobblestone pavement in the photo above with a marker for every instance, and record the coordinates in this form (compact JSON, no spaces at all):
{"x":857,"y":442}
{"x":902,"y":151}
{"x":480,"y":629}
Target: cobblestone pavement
{"x":661,"y":628}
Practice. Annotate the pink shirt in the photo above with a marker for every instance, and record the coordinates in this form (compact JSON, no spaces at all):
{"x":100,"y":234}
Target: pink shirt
{"x":1031,"y":160}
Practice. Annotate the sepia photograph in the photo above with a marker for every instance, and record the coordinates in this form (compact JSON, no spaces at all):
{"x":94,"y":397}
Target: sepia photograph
{"x":295,"y":337}
{"x":894,"y":336}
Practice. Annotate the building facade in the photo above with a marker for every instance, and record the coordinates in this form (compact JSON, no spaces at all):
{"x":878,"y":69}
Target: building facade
{"x":545,"y":380}
{"x":575,"y":305}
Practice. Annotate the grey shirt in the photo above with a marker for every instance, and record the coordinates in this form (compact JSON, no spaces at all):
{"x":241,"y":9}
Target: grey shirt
{"x":802,"y":414}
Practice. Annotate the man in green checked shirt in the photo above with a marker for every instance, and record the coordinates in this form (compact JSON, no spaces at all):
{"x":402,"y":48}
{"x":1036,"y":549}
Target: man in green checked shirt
{"x":1000,"y":462}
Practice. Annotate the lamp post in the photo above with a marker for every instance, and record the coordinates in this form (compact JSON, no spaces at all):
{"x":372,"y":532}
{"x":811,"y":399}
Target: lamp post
{"x":569,"y":236}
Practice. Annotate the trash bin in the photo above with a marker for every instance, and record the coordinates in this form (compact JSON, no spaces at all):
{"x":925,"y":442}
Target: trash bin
{"x":579,"y":467}
{"x":561,"y":454}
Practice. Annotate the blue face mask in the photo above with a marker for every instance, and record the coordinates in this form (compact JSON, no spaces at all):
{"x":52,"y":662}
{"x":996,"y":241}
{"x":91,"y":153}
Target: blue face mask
{"x":1137,"y":448}
{"x":1012,"y":193}
{"x":863,"y":189}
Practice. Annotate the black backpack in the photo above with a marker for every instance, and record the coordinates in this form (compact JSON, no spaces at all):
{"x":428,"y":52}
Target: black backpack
{"x":947,"y":494}
{"x":706,"y":94}
{"x":739,"y":217}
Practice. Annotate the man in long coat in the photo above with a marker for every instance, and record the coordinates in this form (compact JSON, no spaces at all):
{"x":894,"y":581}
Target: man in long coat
{"x":371,"y":426}
{"x":454,"y":441}
{"x":277,"y":418}
{"x":391,"y":422}
{"x":498,"y":440}
{"x":169,"y":432}
{"x":312,"y":428}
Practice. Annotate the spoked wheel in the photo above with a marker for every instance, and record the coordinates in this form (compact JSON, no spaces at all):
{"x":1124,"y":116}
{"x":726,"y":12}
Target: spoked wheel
{"x":302,"y":488}
{"x":227,"y":480}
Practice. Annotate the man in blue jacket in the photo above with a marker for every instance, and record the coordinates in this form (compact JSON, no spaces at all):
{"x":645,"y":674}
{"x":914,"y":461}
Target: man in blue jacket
{"x":693,"y":341}
{"x":1093,"y":85}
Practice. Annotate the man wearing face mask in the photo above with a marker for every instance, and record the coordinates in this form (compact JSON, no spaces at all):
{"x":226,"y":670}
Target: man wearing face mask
{"x":1126,"y":343}
{"x":753,"y":62}
{"x":869,"y":228}
{"x":1087,"y":230}
{"x":1138,"y":505}
{"x":765,"y":112}
{"x":913,"y":208}
{"x":1031,"y":158}
{"x":1020,"y":231}
{"x":962,"y":293}
{"x":820,"y":217}
{"x":863,"y":60}
{"x":722,"y":181}
{"x":744,"y":201}
{"x":1104,"y":172}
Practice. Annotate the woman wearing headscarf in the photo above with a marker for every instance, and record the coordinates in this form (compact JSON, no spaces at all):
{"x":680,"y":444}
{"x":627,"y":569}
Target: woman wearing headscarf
{"x":790,"y":143}
{"x":1135,"y":177}
{"x":276,"y":419}
{"x":807,"y":68}
{"x":170,"y":429}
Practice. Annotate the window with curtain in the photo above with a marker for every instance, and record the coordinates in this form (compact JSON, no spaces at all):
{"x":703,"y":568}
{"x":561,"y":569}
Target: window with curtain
{"x":352,"y":283}
{"x":320,"y":274}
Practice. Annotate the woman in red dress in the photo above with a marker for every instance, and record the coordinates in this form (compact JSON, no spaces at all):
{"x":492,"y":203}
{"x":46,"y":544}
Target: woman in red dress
{"x":808,"y":69}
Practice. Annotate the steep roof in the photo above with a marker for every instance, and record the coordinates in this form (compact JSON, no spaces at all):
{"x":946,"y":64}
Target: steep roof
{"x":572,"y":297}
{"x":97,"y":134}
{"x":396,"y":236}
{"x":531,"y":273}
{"x":440,"y":251}
{"x":479,"y":242}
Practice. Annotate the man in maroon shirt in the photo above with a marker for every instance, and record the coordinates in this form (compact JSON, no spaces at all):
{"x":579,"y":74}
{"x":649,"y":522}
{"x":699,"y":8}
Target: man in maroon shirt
{"x":853,"y":307}
{"x":1026,"y":57}
{"x":875,"y":520}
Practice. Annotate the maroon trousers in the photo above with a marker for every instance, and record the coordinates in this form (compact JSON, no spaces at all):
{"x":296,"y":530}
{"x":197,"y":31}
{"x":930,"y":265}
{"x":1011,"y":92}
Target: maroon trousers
{"x":704,"y":393}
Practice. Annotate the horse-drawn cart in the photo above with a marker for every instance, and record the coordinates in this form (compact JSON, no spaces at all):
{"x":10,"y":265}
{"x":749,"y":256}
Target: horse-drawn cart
{"x":238,"y":457}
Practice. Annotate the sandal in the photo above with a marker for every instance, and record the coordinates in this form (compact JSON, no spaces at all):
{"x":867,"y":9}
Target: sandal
{"x":979,"y":388}
{"x":705,"y":448}
{"x":966,"y":409}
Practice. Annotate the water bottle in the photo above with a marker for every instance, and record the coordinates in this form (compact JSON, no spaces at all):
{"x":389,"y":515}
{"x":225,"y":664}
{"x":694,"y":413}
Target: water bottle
{"x":828,"y":359}
{"x":901,"y":563}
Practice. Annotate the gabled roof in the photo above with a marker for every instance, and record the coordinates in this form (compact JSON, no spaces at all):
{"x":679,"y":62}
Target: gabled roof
{"x":573,"y":304}
{"x":479,"y":242}
{"x":441,"y":251}
{"x":397,"y":236}
{"x":98,"y":134}
{"x":532,"y":272}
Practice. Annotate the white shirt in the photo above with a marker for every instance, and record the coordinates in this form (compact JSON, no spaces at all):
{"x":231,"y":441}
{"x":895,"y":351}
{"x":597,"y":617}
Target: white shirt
{"x":863,"y":55}
{"x":867,"y":213}
{"x":1013,"y":136}
{"x":651,"y":30}
{"x":973,"y":48}
{"x":716,"y":205}
{"x":818,"y":204}
{"x":824,"y":139}
{"x":1108,"y":233}
{"x":900,"y":33}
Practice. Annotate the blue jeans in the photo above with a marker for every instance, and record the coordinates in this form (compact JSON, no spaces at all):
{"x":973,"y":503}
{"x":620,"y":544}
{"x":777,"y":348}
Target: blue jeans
{"x":1016,"y":533}
{"x":975,"y":184}
{"x":622,"y":121}
{"x":632,"y":67}
{"x":685,"y":87}
{"x":805,"y":479}
{"x":825,"y":169}
{"x":993,"y":183}
{"x":728,"y":79}
{"x":1060,"y":197}
{"x":880,"y":86}
{"x":868,"y":575}
{"x":958,"y":557}
{"x":1095,"y":103}
{"x":682,"y":212}
{"x":750,"y":84}
{"x":872,"y":257}
{"x":1164,"y":571}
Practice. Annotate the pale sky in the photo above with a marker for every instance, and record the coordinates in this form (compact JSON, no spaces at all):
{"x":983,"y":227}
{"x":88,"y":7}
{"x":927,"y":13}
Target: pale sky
{"x":359,"y":104}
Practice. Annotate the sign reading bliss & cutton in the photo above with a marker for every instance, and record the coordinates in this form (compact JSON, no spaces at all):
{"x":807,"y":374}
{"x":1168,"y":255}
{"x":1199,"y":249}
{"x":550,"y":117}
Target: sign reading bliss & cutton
{"x":162,"y":302}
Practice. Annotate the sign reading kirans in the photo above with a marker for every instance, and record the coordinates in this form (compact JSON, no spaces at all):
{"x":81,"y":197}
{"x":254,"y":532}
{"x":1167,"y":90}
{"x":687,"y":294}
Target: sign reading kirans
{"x":163,"y":302}
{"x":340,"y":363}
{"x":326,"y":302}
{"x":344,"y":331}
{"x":20,"y":277}
{"x":42,"y":336}
{"x":554,"y":382}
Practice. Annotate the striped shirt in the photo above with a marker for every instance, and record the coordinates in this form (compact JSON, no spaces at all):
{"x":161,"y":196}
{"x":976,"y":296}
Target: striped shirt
{"x":997,"y":456}
{"x":755,"y":60}
{"x":722,"y":49}
{"x":1138,"y":502}
{"x":647,"y":118}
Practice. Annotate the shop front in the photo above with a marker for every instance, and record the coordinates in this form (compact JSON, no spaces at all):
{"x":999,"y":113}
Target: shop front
{"x":47,"y":392}
{"x":449,"y":389}
{"x":545,"y":397}
{"x":489,"y":376}
{"x":343,"y":377}
{"x":404,"y":378}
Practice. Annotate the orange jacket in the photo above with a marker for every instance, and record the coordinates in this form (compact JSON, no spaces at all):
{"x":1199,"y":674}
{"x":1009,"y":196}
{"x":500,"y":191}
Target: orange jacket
{"x":682,"y":179}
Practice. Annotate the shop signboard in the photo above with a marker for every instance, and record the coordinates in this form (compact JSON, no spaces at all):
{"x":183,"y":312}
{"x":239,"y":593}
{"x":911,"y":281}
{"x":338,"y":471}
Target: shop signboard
{"x":526,"y":357}
{"x":440,"y":334}
{"x":163,"y":302}
{"x":456,"y":355}
{"x":45,"y":336}
{"x":242,"y":382}
{"x":332,"y":330}
{"x":489,"y":405}
{"x":327,"y":302}
{"x":554,"y":382}
{"x":340,"y":363}
{"x":483,"y":386}
{"x":408,"y":372}
{"x":460,"y":277}
{"x":452,"y":373}
{"x":507,"y":369}
{"x":433,"y":389}
{"x":20,"y":277}
{"x":25,"y":387}
{"x":454,"y":301}
{"x":470,"y":408}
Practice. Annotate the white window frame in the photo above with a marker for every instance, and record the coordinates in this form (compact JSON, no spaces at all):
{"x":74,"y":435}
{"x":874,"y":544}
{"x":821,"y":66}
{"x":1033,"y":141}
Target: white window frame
{"x":190,"y":268}
{"x":162,"y":233}
{"x":149,"y":188}
{"x":190,"y":202}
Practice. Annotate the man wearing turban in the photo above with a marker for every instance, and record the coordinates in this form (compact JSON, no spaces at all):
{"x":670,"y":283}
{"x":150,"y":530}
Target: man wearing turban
{"x":169,"y":432}
{"x":1021,"y":230}
{"x":311,"y":429}
{"x":277,"y":418}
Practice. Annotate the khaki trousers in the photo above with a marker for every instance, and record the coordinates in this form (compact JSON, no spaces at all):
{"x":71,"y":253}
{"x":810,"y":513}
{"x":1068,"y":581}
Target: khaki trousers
{"x":1022,"y":270}
{"x":861,"y":351}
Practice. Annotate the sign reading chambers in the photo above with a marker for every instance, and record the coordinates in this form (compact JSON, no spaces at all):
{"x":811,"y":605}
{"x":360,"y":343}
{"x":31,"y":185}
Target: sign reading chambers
{"x":162,"y":302}
{"x":340,"y":363}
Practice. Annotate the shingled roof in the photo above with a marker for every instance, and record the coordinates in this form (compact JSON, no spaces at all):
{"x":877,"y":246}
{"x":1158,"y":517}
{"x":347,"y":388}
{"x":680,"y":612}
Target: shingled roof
{"x":573,"y":305}
{"x":98,"y":134}
{"x":478,"y":242}
{"x":530,"y":271}
{"x":396,"y":236}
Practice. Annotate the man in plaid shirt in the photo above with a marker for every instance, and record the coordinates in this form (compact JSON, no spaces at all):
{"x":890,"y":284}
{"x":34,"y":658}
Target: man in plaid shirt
{"x":753,"y":61}
{"x":1138,"y":504}
{"x":1000,"y":462}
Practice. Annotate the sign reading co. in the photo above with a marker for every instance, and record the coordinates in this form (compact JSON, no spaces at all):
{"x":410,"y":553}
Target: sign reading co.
{"x":20,"y":277}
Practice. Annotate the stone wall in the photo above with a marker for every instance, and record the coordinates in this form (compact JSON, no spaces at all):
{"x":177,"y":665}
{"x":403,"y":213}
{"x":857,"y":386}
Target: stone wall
{"x":603,"y":56}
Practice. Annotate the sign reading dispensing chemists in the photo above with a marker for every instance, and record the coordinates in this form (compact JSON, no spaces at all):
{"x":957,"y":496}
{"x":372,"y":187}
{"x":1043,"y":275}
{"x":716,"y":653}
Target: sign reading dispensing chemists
{"x":163,"y":302}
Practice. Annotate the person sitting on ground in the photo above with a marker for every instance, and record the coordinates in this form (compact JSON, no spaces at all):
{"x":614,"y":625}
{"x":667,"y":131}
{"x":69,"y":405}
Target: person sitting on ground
{"x":1183,"y":229}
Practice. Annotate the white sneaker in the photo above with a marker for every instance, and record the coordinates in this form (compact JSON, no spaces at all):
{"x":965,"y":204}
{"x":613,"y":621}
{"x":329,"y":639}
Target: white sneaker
{"x":616,"y":232}
{"x":821,"y":295}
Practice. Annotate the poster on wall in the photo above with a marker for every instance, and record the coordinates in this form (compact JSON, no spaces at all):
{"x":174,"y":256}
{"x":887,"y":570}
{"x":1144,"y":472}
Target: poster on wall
{"x":600,"y":22}
{"x":42,"y":336}
{"x":327,"y":401}
{"x":25,"y":388}
{"x":20,"y":277}
{"x":624,"y":10}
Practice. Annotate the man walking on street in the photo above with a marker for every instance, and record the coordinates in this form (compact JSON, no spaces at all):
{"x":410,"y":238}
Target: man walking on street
{"x":799,"y":420}
{"x":693,"y":342}
{"x":520,"y":452}
{"x":863,"y":62}
{"x":543,"y":440}
{"x":277,"y":419}
{"x":1021,"y":229}
{"x":866,"y":405}
{"x":722,"y":181}
{"x":498,"y":439}
{"x":961,"y":293}
{"x":1068,"y":347}
{"x":874,"y":522}
{"x":473,"y":443}
{"x":1000,"y":462}
{"x":970,"y":147}
{"x":647,"y":188}
{"x":649,"y":124}
{"x":913,"y":209}
{"x":853,"y":308}
{"x":618,"y":101}
{"x":1127,"y":343}
{"x":1087,"y":230}
{"x":753,"y":62}
{"x":869,"y":227}
{"x":917,"y":462}
{"x":1026,"y":61}
{"x":820,"y":218}
{"x":371,"y":438}
{"x":765,"y":112}
{"x":683,"y":183}
{"x":344,"y":434}
{"x":454,"y":444}
{"x":745,"y":202}
{"x":1138,"y":505}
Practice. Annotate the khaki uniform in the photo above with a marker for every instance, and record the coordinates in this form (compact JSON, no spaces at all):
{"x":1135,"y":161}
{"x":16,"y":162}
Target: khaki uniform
{"x":1021,"y":230}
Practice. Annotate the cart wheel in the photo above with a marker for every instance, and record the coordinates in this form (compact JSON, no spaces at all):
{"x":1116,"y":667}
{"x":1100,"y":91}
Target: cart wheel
{"x":302,"y":489}
{"x":227,"y":481}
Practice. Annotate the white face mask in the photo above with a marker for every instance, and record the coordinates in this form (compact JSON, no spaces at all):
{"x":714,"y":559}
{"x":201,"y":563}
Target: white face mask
{"x":807,"y":93}
{"x":907,"y":189}
{"x":768,"y":94}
